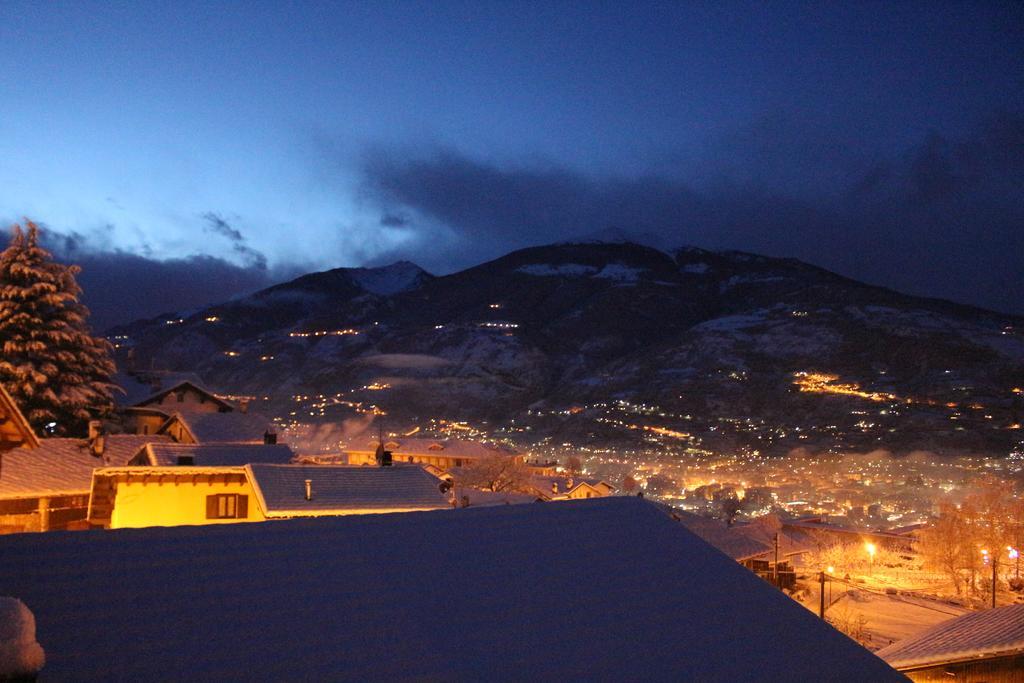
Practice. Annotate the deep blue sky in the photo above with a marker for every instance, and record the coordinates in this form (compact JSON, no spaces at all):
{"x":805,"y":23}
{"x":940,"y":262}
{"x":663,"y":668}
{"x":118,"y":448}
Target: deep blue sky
{"x":242,"y":142}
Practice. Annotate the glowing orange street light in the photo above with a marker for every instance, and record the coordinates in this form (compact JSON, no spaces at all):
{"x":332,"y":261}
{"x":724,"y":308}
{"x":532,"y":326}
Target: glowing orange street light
{"x":870,"y":547}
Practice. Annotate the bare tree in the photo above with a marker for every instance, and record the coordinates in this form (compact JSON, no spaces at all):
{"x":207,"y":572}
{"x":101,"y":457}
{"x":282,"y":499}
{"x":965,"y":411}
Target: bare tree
{"x":574,"y":466}
{"x":942,"y":544}
{"x":629,"y":484}
{"x":498,"y":474}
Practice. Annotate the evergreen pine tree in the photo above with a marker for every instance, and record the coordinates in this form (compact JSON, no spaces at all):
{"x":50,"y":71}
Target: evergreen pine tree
{"x":56,"y":371}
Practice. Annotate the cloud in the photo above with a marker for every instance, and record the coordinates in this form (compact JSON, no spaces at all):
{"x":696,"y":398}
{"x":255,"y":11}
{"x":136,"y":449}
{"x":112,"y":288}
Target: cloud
{"x":941,"y":218}
{"x":217,"y":224}
{"x":120,"y":287}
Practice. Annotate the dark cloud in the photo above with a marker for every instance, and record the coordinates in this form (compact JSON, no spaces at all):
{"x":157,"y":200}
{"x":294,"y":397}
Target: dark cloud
{"x":942,"y":218}
{"x":120,"y":287}
{"x":391,"y":220}
{"x":217,"y":224}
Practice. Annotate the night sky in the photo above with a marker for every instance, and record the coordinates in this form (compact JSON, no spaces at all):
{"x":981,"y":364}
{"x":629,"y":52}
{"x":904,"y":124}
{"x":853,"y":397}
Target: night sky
{"x":186,"y":152}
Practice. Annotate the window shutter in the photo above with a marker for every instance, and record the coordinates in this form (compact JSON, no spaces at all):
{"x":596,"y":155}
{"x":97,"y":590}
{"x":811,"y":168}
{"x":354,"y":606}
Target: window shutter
{"x":211,"y":507}
{"x":243,"y":507}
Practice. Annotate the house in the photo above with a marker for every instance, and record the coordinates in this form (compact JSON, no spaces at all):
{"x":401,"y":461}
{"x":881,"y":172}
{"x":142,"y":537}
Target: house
{"x":164,"y":454}
{"x":219,"y":427}
{"x":617,"y":591}
{"x":978,"y":646}
{"x":176,"y":495}
{"x":148,"y":414}
{"x":442,"y":453}
{"x":768,"y":549}
{"x":569,"y":488}
{"x":46,"y":487}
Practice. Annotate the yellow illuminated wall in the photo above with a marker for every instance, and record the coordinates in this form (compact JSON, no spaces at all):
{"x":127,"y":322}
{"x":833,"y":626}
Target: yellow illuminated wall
{"x":151,"y":502}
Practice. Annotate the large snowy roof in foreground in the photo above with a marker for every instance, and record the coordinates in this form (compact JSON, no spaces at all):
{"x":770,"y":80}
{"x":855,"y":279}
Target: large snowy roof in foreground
{"x":978,"y":634}
{"x":64,"y":466}
{"x":605,"y":588}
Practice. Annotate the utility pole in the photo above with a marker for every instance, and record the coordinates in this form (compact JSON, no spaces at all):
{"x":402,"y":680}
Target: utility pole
{"x":775,"y":569}
{"x":995,"y":562}
{"x":821,"y":603}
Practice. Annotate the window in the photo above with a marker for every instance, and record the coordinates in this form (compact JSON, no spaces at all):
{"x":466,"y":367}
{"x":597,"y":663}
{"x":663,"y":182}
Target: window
{"x":186,"y":460}
{"x":227,"y":506}
{"x":181,"y":396}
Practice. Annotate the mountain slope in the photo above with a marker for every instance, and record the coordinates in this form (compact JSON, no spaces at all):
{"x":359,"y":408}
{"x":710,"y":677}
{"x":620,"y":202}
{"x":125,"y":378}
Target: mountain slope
{"x":713,"y":340}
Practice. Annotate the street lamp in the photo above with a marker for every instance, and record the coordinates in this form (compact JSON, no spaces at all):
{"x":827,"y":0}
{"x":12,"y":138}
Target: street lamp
{"x":1012,"y":553}
{"x":870,"y":547}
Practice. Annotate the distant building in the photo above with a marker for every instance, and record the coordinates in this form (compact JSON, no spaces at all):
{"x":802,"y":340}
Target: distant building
{"x":606,"y":589}
{"x":569,"y":488}
{"x":979,"y":646}
{"x":219,"y":427}
{"x":442,"y":453}
{"x":149,"y":413}
{"x":179,"y":495}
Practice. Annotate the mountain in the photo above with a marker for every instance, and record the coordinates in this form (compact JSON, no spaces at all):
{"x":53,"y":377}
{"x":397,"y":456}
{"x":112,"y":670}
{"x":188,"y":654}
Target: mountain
{"x":618,"y":343}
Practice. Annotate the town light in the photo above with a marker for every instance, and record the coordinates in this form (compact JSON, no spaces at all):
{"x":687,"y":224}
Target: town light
{"x":870,"y":547}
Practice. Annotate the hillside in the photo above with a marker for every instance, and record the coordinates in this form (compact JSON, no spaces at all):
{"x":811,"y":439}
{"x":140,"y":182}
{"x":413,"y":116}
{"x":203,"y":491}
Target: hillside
{"x":591,"y":343}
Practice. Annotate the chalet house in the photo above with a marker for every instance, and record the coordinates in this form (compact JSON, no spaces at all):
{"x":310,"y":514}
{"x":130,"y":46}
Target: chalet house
{"x":148,"y":414}
{"x":978,"y":646}
{"x":190,"y":495}
{"x":569,"y":488}
{"x":219,"y":427}
{"x":384,"y":597}
{"x":770,"y":552}
{"x":210,"y":455}
{"x":442,"y":453}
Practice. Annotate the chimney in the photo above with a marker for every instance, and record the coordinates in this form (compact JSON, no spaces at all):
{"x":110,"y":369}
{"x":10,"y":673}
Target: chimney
{"x":554,"y":487}
{"x":243,"y":405}
{"x":97,"y":438}
{"x":269,"y":438}
{"x":309,"y":489}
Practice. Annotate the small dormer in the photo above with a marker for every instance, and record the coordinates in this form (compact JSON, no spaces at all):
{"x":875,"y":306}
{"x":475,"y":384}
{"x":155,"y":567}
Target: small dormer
{"x":436,"y":447}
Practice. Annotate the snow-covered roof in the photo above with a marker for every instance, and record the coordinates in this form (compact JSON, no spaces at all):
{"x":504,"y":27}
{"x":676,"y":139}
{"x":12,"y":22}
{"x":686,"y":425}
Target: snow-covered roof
{"x":180,"y":386}
{"x":141,"y":386}
{"x":743,"y":541}
{"x":542,"y":485}
{"x":64,"y":466}
{"x":215,"y":454}
{"x":988,"y":633}
{"x":447,"y":448}
{"x":233,"y":427}
{"x":618,"y":592}
{"x":337,"y":488}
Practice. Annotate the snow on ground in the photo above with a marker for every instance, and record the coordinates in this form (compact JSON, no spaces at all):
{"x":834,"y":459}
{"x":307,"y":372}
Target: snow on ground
{"x":562,"y":269}
{"x":734,"y":322}
{"x":619,"y":272}
{"x":885,"y":618}
{"x":386,"y":280}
